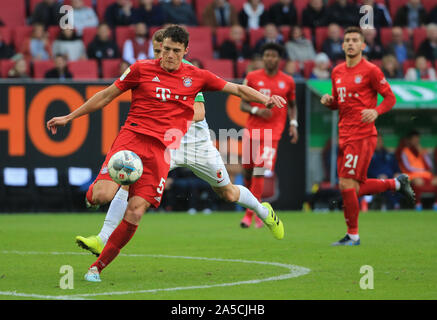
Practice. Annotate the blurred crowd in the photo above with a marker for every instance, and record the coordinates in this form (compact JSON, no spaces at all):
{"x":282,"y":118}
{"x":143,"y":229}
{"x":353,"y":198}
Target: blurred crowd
{"x":403,"y":42}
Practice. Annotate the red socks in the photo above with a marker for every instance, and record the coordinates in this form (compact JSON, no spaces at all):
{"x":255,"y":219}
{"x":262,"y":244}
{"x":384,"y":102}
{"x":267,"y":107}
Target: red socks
{"x":118,"y":239}
{"x":351,"y":210}
{"x":374,"y":186}
{"x":256,"y":186}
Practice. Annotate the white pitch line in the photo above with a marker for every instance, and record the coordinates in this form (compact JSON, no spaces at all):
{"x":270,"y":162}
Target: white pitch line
{"x":294,"y":272}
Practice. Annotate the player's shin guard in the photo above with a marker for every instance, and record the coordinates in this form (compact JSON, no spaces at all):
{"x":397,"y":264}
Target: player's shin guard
{"x":351,"y":210}
{"x":118,"y":239}
{"x":375,"y":186}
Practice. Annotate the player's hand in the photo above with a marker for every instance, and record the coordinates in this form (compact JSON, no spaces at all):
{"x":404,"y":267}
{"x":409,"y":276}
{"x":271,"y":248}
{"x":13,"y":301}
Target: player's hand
{"x":264,"y":113}
{"x":56,"y":122}
{"x":275,"y":100}
{"x":327,"y":100}
{"x":369,"y":115}
{"x":293,"y":134}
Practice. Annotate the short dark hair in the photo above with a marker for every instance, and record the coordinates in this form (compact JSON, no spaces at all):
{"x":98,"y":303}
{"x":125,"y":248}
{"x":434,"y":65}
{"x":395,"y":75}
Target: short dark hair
{"x":354,"y":29}
{"x":413,"y":133}
{"x":273,"y":46}
{"x":158,"y":35}
{"x":177,"y":34}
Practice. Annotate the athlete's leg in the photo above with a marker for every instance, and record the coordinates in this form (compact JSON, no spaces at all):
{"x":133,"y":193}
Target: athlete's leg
{"x":242,"y":196}
{"x":123,"y":233}
{"x":247,"y":176}
{"x":101,"y":191}
{"x":349,"y":189}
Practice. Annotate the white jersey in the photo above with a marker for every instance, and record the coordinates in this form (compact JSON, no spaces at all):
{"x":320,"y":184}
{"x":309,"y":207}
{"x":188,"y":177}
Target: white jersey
{"x":197,"y":132}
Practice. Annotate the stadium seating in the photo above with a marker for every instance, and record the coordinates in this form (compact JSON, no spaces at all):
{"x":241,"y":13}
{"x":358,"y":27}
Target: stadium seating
{"x":103,"y":4}
{"x":300,"y":6}
{"x":7,"y":64}
{"x":122,"y":33}
{"x":88,"y":35}
{"x":241,"y":66}
{"x":6,"y":33}
{"x":307,"y":68}
{"x":395,"y":5}
{"x":386,"y":35}
{"x":221,"y":67}
{"x":110,"y":68}
{"x":41,"y":67}
{"x":84,"y":69}
{"x":54,"y":32}
{"x":321,"y":35}
{"x":19,"y":34}
{"x":238,"y":4}
{"x":429,"y":5}
{"x":13,"y":15}
{"x":419,"y":35}
{"x":411,"y":64}
{"x":255,"y":35}
{"x":200,"y":6}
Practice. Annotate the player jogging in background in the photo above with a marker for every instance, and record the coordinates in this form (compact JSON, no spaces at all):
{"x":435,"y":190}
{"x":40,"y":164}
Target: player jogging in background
{"x":355,"y":86}
{"x":163,"y":92}
{"x":265,"y":126}
{"x":197,"y":153}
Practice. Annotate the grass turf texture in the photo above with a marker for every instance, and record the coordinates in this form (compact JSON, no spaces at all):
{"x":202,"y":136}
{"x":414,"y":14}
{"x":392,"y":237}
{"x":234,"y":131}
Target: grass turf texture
{"x":400,"y":246}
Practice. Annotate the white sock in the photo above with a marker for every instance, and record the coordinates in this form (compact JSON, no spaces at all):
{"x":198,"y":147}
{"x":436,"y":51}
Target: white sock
{"x":354,"y":237}
{"x":248,"y":200}
{"x":114,"y":215}
{"x":397,"y":184}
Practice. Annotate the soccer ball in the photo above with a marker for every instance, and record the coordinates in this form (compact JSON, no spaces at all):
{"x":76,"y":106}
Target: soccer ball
{"x":125,"y":167}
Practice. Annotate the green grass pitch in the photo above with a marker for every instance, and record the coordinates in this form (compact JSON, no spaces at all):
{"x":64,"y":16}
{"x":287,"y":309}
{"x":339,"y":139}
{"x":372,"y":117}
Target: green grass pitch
{"x":159,"y":261}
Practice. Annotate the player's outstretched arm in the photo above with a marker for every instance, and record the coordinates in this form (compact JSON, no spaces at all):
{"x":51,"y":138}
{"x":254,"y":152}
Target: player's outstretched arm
{"x":199,"y":111}
{"x":292,"y":115}
{"x":251,"y":95}
{"x":96,"y":102}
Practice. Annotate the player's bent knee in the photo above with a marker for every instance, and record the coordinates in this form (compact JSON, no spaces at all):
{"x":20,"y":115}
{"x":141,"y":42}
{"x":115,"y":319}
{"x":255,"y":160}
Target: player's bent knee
{"x":227,"y":193}
{"x":102,"y":196}
{"x":135,"y":210}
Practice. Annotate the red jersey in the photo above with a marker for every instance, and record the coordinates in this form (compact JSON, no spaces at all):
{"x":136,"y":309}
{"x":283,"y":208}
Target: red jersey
{"x":280,"y":84}
{"x":163,"y":100}
{"x":355,"y":89}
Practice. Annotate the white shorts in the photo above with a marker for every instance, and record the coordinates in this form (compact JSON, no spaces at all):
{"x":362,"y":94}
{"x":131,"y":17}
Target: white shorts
{"x":204,"y":160}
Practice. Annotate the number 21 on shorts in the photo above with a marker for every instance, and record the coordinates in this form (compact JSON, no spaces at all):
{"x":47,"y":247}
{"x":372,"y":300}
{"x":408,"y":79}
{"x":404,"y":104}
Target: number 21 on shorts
{"x":351,"y":161}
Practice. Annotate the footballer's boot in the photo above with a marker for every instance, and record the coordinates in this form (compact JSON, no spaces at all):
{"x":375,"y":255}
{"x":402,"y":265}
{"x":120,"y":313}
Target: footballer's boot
{"x":92,"y":275}
{"x":346,"y":241}
{"x":246,"y":221}
{"x":91,"y":206}
{"x":92,"y":243}
{"x":405,"y":188}
{"x":258,"y":223}
{"x":273,"y":222}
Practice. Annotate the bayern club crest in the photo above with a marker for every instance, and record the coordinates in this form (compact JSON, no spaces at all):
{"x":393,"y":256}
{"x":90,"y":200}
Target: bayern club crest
{"x":358,"y":78}
{"x":187,"y":82}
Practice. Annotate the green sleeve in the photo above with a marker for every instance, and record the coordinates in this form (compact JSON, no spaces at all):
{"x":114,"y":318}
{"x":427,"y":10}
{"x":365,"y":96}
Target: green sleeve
{"x":199,"y":97}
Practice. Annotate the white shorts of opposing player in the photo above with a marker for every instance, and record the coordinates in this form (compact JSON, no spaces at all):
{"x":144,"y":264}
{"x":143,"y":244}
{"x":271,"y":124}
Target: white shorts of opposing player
{"x":198,"y":153}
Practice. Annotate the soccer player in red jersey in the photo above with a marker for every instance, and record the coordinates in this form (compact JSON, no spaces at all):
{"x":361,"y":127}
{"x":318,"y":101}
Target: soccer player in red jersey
{"x":355,"y":86}
{"x":264,"y":125}
{"x":163,"y":92}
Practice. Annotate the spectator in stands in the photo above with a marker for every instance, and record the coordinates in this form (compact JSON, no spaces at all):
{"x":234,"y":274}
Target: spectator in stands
{"x":315,"y":14}
{"x":415,"y":162}
{"x":428,"y":48}
{"x":421,"y":71}
{"x":37,"y":47}
{"x":322,"y":66}
{"x":19,"y":70}
{"x":292,"y":69}
{"x":47,"y":13}
{"x":6,"y":51}
{"x":220,"y":13}
{"x":60,"y":71}
{"x":390,"y":67}
{"x":197,"y":63}
{"x":253,"y":15}
{"x":255,"y":63}
{"x":333,"y":44}
{"x":401,"y":49}
{"x":381,"y":15}
{"x":299,"y":48}
{"x":412,"y":15}
{"x":150,"y":13}
{"x":384,"y":166}
{"x":343,"y":13}
{"x":70,"y":45}
{"x":137,"y":48}
{"x":432,"y":17}
{"x":1,"y":23}
{"x":83,"y":16}
{"x":283,"y":13}
{"x":179,"y":12}
{"x":103,"y":47}
{"x":123,"y":66}
{"x":236,"y":47}
{"x":271,"y":35}
{"x":373,"y":49}
{"x":119,"y":13}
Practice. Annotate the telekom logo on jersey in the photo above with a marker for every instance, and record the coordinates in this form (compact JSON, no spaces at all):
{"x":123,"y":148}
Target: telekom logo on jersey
{"x":165,"y":94}
{"x":341,"y":93}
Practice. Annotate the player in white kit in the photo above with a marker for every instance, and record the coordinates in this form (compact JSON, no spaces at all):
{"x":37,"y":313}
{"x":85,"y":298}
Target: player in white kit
{"x":197,"y":153}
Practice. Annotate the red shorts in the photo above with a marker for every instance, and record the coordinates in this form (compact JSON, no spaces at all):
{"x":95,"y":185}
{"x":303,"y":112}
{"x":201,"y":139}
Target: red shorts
{"x":259,"y":153}
{"x":354,"y":158}
{"x":151,"y":184}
